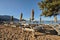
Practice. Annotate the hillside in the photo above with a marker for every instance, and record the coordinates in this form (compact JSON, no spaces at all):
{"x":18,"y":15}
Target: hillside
{"x":7,"y":18}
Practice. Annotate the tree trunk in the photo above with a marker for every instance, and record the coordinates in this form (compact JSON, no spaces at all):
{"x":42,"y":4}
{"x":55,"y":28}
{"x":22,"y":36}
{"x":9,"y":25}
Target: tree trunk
{"x":40,"y":20}
{"x":11,"y":18}
{"x":55,"y":19}
{"x":30,"y":20}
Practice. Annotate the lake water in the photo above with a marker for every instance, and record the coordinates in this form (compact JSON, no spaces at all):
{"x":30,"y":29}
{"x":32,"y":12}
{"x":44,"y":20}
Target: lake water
{"x":45,"y":22}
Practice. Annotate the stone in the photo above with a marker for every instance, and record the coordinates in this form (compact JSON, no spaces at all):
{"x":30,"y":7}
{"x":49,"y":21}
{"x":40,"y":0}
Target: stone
{"x":13,"y":25}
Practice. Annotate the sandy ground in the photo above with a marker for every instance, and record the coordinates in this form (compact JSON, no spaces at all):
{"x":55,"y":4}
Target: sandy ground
{"x":16,"y":33}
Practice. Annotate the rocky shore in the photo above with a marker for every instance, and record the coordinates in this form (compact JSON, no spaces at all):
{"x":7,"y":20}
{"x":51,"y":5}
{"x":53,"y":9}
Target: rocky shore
{"x":17,"y":33}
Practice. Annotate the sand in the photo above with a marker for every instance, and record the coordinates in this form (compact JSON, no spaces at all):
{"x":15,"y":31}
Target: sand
{"x":16,"y":33}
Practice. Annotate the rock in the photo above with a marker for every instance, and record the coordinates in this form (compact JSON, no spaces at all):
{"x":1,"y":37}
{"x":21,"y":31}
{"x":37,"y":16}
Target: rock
{"x":27,"y":29}
{"x":13,"y":25}
{"x":5,"y":24}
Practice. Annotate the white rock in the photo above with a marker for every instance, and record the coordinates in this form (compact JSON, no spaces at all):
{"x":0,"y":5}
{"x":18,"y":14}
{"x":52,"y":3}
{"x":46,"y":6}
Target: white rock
{"x":13,"y":25}
{"x":5,"y":24}
{"x":27,"y":29}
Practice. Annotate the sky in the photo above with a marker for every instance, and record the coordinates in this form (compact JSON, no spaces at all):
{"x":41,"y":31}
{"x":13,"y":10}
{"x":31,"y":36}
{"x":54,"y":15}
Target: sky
{"x":15,"y":7}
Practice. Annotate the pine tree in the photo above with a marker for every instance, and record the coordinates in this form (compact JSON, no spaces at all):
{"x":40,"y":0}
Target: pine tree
{"x":50,"y":8}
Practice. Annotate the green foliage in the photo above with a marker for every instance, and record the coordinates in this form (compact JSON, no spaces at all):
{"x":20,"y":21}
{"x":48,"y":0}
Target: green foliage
{"x":50,"y":7}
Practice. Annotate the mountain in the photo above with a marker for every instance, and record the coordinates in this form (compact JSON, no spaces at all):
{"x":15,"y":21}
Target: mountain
{"x":7,"y":18}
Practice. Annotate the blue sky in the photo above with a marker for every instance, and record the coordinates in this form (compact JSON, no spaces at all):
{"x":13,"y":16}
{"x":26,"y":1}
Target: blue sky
{"x":15,"y":7}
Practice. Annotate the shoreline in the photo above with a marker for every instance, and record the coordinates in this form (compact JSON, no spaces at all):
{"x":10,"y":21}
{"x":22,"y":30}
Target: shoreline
{"x":17,"y":33}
